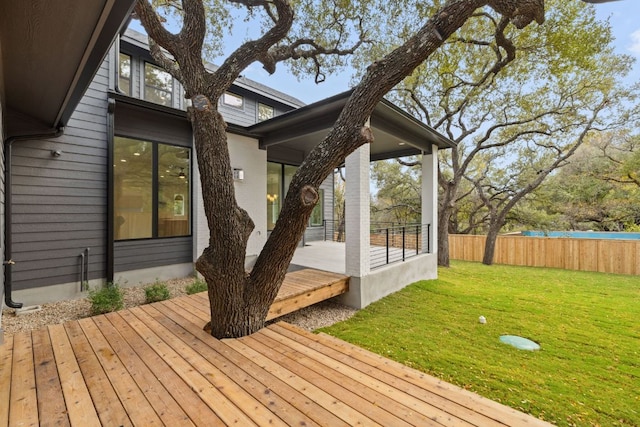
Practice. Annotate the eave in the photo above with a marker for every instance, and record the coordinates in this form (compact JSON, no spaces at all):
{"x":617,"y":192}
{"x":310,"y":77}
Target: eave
{"x":50,"y":53}
{"x":396,"y":133}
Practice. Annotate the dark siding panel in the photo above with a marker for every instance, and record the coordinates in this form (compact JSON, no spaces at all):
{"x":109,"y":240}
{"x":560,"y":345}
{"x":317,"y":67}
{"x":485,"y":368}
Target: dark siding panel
{"x":60,"y":202}
{"x":137,"y":123}
{"x":139,"y":254}
{"x":245,"y":116}
{"x":2,"y":191}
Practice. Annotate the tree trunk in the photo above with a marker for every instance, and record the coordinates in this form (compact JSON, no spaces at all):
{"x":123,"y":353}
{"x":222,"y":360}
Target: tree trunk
{"x":222,"y":262}
{"x":490,"y":243}
{"x":443,"y":237}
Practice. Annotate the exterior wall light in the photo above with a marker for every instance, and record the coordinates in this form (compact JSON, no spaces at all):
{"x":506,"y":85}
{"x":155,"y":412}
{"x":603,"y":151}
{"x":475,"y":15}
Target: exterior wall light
{"x":238,"y":174}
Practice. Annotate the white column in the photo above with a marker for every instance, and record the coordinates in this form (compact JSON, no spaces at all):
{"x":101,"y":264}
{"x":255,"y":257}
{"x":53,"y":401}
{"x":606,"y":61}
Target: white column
{"x":357,"y":217}
{"x":430,"y":199}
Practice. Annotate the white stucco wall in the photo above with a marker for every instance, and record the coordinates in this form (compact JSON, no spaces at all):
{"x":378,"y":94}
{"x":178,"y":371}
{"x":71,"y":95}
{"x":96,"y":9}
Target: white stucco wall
{"x":250,"y":193}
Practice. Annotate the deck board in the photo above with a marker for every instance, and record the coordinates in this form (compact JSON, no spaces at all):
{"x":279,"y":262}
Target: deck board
{"x":23,"y":383}
{"x":105,"y":400}
{"x":154,"y":365}
{"x":51,"y":406}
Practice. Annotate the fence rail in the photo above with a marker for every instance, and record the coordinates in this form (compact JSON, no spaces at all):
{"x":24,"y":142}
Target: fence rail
{"x":607,"y":256}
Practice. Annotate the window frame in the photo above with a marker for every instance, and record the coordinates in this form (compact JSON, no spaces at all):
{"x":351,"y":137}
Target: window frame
{"x":145,"y":85}
{"x":155,"y":186}
{"x":273,"y":112}
{"x":319,"y":205}
{"x":120,"y":77}
{"x":284,"y":187}
{"x":235,"y":95}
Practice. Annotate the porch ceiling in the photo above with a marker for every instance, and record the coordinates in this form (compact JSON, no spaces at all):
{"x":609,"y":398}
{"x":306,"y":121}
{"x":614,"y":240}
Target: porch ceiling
{"x":396,"y":133}
{"x":50,"y":51}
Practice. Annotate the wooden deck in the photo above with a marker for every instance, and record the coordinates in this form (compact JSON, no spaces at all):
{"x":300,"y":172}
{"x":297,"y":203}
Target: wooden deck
{"x":153,"y":365}
{"x":306,"y":287}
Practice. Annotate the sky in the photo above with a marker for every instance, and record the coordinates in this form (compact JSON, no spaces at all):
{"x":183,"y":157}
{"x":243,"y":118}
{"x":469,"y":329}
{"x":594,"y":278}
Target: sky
{"x":623,"y":15}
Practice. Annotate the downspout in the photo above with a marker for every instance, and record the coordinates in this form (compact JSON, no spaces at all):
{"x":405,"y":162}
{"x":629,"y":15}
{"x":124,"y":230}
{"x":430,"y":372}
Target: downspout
{"x":8,"y":237}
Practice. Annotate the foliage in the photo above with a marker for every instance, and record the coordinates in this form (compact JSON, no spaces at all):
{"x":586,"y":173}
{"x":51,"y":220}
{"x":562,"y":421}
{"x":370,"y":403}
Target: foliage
{"x":514,"y":102}
{"x":399,"y":192}
{"x":196,"y":287}
{"x":240,"y":301}
{"x":106,"y":299}
{"x":589,"y":351}
{"x":596,"y":190}
{"x":156,"y":292}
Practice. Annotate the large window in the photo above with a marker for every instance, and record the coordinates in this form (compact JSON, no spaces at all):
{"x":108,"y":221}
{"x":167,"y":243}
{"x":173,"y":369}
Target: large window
{"x":158,"y":85}
{"x":124,"y":74}
{"x":152,"y":191}
{"x":279,"y":178}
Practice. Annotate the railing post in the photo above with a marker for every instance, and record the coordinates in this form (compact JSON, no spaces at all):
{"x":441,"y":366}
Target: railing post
{"x":428,"y":238}
{"x":403,"y":242}
{"x":387,"y":245}
{"x":324,"y":225}
{"x":417,"y":240}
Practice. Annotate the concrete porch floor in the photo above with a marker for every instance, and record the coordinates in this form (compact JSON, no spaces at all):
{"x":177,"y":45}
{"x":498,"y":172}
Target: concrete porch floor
{"x":322,"y":255}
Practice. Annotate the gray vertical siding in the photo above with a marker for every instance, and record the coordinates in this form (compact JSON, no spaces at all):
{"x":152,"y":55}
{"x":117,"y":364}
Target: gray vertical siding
{"x":59,"y":203}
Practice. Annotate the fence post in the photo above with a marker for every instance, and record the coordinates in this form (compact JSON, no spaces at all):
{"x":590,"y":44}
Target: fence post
{"x":403,"y":242}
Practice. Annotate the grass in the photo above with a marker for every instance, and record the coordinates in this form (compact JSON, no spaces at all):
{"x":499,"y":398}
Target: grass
{"x":588,"y":324}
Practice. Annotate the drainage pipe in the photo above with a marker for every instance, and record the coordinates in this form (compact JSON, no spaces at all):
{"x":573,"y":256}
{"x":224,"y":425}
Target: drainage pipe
{"x":8,"y":199}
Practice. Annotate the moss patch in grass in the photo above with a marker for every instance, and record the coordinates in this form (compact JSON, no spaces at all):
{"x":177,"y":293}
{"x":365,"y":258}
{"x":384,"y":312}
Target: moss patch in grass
{"x":587,"y":372}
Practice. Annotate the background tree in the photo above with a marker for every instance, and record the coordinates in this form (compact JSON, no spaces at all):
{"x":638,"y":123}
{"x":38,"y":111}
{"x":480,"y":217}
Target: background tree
{"x":491,"y":89}
{"x":593,"y":192}
{"x":239,"y":300}
{"x":397,"y":200}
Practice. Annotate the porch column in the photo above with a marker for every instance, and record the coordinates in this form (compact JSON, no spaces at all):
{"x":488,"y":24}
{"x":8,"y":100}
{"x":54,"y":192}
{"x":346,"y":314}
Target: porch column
{"x":430,"y":199}
{"x":357,"y":217}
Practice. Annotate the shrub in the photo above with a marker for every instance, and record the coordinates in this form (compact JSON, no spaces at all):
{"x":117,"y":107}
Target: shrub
{"x":195,"y":287}
{"x":107,"y":299}
{"x":156,"y":292}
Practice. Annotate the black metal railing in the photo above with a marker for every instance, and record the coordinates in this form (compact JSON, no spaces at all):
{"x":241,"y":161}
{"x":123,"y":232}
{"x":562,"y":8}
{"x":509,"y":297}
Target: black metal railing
{"x":393,"y":243}
{"x":398,"y":243}
{"x":333,"y":230}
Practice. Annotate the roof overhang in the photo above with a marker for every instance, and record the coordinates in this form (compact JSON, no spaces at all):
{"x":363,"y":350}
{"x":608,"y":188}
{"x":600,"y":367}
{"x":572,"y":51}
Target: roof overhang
{"x":51,"y":51}
{"x":396,"y":133}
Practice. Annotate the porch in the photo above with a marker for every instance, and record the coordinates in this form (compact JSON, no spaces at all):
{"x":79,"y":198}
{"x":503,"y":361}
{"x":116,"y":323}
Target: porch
{"x":153,"y":365}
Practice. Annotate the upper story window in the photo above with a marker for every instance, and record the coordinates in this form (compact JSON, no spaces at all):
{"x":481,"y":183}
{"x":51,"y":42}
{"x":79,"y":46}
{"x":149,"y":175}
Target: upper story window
{"x":158,"y":85}
{"x":233,"y":100}
{"x":265,"y":112}
{"x":124,"y":74}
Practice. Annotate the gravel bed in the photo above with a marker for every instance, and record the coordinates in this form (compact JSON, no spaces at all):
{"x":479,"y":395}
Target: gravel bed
{"x":323,"y":314}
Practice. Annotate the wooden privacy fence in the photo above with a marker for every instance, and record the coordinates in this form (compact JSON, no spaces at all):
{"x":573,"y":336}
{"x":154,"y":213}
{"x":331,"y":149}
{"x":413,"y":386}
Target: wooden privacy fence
{"x":606,"y":256}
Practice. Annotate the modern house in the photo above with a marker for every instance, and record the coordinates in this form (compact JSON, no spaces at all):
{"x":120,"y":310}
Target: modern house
{"x":108,"y":190}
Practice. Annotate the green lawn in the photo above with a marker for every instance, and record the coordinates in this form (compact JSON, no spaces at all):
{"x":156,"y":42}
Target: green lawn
{"x":588,"y":324}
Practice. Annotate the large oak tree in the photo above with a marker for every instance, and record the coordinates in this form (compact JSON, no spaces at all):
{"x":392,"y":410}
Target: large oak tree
{"x":240,"y":300}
